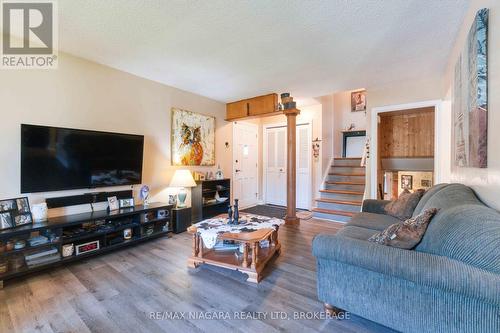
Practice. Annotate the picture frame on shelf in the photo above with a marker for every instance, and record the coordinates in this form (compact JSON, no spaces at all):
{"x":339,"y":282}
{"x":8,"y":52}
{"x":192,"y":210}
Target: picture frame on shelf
{"x":172,"y":200}
{"x":113,"y":203}
{"x":7,"y":205}
{"x":6,"y":221}
{"x":126,"y":203}
{"x":23,"y":219}
{"x":15,"y":212}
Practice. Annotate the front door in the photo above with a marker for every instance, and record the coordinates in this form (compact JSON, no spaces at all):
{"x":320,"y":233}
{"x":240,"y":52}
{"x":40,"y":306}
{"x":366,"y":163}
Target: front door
{"x":245,"y":163}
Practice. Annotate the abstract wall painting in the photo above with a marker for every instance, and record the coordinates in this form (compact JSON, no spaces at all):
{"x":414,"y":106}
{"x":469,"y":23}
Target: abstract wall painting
{"x":470,"y":97}
{"x":193,"y":138}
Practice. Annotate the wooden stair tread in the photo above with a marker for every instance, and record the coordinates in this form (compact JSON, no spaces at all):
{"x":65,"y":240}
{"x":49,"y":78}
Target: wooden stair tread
{"x":344,"y":183}
{"x":341,"y":202}
{"x":347,"y":158}
{"x":332,"y":212}
{"x":343,"y":192}
{"x":346,"y":174}
{"x":348,"y":166}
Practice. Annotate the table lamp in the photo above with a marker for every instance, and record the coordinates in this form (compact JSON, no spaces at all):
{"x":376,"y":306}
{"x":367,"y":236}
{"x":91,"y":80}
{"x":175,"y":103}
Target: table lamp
{"x":182,"y":179}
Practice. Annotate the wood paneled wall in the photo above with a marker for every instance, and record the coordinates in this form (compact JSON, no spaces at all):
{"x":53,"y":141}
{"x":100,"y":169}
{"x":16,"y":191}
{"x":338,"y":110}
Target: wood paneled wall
{"x":409,"y":133}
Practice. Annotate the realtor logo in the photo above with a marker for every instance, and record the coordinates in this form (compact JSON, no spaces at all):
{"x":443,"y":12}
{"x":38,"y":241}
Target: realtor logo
{"x":29,"y":34}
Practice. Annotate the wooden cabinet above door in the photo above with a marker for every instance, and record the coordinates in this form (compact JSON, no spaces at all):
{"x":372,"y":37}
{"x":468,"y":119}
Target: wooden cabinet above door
{"x":237,"y":110}
{"x":266,"y":105}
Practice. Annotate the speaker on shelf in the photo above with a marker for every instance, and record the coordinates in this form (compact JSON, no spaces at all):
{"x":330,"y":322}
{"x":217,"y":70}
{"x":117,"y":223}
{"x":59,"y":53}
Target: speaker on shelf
{"x":87,"y":198}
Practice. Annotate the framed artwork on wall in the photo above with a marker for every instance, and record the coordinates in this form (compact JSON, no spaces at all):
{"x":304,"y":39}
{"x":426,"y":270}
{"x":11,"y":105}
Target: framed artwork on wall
{"x":406,"y":182}
{"x":193,"y":138}
{"x":358,"y":101}
{"x":470,"y":97}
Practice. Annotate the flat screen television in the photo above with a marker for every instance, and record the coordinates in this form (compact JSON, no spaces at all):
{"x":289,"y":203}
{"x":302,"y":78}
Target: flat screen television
{"x":54,"y":159}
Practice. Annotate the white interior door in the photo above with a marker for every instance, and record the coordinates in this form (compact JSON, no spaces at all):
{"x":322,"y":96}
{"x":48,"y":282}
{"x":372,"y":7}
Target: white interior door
{"x":275,"y":168}
{"x":303,"y":166}
{"x":245,"y":166}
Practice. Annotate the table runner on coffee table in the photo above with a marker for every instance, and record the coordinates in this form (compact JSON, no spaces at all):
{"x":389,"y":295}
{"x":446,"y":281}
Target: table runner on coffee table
{"x":211,"y":228}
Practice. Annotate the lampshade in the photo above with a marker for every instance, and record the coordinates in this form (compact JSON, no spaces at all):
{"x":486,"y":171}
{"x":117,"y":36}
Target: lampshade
{"x":182,"y":178}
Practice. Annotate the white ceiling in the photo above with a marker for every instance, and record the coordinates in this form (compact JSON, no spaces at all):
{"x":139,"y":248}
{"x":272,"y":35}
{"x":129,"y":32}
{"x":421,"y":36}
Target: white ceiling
{"x":231,"y":49}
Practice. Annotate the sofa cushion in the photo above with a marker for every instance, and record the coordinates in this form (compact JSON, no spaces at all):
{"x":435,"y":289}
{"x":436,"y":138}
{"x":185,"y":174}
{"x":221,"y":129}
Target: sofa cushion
{"x":403,"y":207}
{"x":468,"y":233}
{"x":450,"y":196}
{"x":426,"y":197}
{"x":356,"y":232}
{"x":372,"y":221}
{"x":405,"y":235}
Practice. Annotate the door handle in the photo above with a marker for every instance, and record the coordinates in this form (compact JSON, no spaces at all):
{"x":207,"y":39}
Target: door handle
{"x":237,"y":170}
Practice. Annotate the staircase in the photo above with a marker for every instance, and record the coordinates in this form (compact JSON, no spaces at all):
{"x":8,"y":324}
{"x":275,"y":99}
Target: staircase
{"x":343,"y":191}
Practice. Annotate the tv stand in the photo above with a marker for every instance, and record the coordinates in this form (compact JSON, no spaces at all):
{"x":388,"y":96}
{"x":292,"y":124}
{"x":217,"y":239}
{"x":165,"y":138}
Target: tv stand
{"x":93,"y":233}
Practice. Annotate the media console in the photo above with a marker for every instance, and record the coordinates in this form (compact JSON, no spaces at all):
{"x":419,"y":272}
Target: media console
{"x":69,"y":238}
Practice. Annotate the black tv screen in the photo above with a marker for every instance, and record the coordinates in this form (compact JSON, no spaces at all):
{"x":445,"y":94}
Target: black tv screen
{"x":54,"y":159}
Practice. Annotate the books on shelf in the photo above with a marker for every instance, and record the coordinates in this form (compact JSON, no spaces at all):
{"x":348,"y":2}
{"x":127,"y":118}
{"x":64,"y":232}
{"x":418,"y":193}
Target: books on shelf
{"x":37,"y":254}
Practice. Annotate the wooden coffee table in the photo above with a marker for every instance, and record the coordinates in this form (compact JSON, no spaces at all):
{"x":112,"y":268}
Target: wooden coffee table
{"x":251,"y":264}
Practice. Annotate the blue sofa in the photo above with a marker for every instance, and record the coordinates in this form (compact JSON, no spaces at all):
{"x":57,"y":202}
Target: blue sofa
{"x":449,"y":283}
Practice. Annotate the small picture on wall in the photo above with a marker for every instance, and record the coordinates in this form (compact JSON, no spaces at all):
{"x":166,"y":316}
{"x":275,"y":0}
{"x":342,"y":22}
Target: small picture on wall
{"x":426,"y":183}
{"x":406,"y":182}
{"x":358,"y":101}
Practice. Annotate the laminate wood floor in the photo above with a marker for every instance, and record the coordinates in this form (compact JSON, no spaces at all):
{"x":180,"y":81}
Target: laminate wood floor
{"x":119,"y":291}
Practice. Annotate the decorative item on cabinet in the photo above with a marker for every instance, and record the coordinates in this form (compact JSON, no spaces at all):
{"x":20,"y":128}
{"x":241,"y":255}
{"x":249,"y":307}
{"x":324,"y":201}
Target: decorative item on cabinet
{"x":236,"y":215}
{"x":40,"y":212}
{"x":287,"y":101}
{"x":315,"y":147}
{"x":126,"y":203}
{"x":172,"y":200}
{"x":218,"y":174}
{"x":144,"y":195}
{"x":113,"y":203}
{"x":67,"y":250}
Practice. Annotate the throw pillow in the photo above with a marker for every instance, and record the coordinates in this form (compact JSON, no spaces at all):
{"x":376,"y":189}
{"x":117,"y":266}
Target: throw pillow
{"x":403,"y":207}
{"x":405,"y":235}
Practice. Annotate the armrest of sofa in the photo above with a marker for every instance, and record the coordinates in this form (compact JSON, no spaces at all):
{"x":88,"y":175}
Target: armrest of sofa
{"x":419,"y":267}
{"x":374,"y":206}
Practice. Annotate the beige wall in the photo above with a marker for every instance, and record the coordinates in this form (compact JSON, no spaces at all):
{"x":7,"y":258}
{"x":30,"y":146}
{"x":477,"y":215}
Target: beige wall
{"x":327,"y":131}
{"x":83,"y":94}
{"x":344,"y":118}
{"x":486,"y":182}
{"x":395,"y":94}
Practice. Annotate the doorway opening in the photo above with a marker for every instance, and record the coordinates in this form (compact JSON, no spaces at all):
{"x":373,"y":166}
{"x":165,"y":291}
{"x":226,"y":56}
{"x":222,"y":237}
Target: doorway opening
{"x":404,"y":149}
{"x":275,"y":172}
